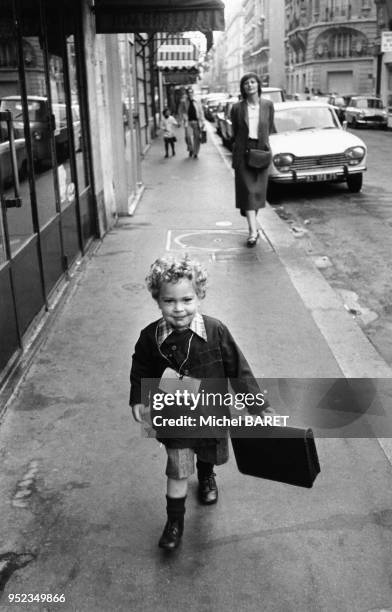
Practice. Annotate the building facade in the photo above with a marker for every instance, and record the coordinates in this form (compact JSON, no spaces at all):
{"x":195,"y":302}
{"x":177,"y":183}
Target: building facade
{"x":384,"y":57}
{"x":234,"y":51}
{"x":215,"y":75}
{"x":331,"y":46}
{"x":264,"y":29}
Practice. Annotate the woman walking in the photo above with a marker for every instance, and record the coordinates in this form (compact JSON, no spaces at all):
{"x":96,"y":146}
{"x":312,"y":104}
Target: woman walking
{"x":253,"y":121}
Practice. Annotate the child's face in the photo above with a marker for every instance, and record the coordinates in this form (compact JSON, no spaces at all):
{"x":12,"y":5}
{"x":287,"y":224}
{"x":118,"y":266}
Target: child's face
{"x":166,"y":114}
{"x":178,"y":303}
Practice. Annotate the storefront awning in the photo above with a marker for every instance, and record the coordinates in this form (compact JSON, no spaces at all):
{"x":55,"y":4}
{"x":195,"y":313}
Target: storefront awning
{"x":121,"y":16}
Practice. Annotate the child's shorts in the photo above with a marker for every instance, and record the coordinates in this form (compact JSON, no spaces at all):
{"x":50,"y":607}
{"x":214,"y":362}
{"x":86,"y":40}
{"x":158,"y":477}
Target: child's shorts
{"x":181,"y":461}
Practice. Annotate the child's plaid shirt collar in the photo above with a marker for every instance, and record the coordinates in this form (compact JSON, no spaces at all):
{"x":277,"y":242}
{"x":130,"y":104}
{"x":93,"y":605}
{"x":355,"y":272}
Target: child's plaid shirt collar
{"x":197,"y":326}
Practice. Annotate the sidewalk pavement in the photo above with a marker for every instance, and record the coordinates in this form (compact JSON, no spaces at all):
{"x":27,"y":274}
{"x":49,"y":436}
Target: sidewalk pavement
{"x":82,"y":495}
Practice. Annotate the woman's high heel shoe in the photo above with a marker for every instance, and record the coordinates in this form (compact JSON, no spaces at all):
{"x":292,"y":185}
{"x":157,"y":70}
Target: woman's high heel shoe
{"x":252,"y":240}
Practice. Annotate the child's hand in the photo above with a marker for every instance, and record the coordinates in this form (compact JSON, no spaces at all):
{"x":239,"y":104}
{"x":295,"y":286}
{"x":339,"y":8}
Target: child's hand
{"x":136,"y":412}
{"x":268,"y":410}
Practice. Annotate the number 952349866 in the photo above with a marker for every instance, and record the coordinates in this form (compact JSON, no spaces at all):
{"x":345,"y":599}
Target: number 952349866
{"x":36,"y":597}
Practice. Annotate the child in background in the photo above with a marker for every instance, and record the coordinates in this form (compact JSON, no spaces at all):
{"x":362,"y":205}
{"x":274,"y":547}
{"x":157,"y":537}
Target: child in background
{"x":167,"y":125}
{"x":188,"y":346}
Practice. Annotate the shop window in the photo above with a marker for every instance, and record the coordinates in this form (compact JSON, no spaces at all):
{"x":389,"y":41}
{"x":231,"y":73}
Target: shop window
{"x":19,"y":219}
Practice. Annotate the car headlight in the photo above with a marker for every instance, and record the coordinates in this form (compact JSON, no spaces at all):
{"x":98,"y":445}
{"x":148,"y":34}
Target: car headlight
{"x":354,"y":155}
{"x":37,"y":135}
{"x":283,"y":161}
{"x":362,"y":113}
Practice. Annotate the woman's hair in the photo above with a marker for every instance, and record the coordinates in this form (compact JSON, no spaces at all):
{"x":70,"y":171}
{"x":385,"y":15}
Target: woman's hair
{"x":249,"y":75}
{"x":173,"y":269}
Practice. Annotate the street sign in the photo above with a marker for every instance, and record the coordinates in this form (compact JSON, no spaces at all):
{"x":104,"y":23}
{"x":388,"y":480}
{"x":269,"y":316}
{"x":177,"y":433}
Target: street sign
{"x":386,"y":42}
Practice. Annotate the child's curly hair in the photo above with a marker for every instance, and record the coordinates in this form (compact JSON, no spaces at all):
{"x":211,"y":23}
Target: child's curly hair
{"x":172,"y":269}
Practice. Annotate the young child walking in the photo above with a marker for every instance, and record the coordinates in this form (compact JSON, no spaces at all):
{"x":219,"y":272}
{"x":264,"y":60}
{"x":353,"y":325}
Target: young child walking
{"x":167,"y":125}
{"x":193,"y":348}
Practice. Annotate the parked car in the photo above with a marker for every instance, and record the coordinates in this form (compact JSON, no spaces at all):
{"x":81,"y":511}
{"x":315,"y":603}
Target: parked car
{"x":213,"y":103}
{"x":338,"y":102}
{"x":224,"y":127}
{"x":275,"y":94}
{"x":297,"y":96}
{"x":6,"y":175}
{"x":311,"y":146}
{"x":42,"y":125}
{"x":366,"y":111}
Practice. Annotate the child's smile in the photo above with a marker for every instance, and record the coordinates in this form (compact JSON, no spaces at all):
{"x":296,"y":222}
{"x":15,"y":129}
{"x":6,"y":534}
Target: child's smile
{"x":178,"y":303}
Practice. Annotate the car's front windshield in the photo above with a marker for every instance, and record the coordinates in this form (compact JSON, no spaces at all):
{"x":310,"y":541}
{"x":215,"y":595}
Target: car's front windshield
{"x":300,"y":118}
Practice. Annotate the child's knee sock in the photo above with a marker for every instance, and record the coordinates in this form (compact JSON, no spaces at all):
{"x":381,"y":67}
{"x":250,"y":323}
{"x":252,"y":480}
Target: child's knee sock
{"x":204,"y":469}
{"x":176,"y":510}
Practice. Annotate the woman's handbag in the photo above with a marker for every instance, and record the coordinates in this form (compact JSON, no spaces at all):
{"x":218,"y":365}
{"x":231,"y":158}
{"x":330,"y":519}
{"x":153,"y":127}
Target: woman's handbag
{"x":203,"y":136}
{"x":258,"y":159}
{"x":174,"y":138}
{"x":284,"y":454}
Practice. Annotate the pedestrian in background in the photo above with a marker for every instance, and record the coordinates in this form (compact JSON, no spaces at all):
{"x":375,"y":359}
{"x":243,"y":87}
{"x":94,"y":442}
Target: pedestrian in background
{"x":192,"y":115}
{"x":186,"y":348}
{"x":168,"y":124}
{"x":253,"y":121}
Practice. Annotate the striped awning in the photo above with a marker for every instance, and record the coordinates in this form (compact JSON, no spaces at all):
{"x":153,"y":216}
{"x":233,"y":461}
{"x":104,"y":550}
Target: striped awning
{"x":116,"y":16}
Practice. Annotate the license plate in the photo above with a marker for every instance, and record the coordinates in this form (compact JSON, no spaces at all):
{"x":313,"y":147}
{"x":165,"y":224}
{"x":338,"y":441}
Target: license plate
{"x":315,"y":178}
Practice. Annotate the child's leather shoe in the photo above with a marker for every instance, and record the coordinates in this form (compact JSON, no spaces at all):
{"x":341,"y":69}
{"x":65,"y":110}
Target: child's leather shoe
{"x":171,"y":535}
{"x":208,"y":490}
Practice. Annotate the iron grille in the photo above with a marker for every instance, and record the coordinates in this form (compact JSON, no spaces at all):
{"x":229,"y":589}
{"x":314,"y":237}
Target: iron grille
{"x":375,"y":118}
{"x":313,"y":162}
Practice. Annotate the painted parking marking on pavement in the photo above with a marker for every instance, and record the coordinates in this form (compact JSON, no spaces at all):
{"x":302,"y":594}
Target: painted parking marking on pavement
{"x":168,"y":240}
{"x":210,"y":240}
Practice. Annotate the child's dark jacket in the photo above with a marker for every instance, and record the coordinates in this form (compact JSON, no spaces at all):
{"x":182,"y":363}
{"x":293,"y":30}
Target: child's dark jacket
{"x":217,"y":358}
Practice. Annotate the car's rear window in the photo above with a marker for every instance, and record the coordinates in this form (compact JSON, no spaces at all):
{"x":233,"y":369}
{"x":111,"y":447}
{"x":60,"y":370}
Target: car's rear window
{"x":274,"y":96}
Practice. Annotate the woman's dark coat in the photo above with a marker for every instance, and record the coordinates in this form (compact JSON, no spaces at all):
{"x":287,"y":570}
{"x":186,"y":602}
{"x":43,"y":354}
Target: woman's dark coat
{"x":251,"y":187}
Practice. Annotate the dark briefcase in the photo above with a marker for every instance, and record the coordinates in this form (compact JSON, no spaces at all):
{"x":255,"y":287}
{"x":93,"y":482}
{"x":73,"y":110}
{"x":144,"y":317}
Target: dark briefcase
{"x":284,"y":454}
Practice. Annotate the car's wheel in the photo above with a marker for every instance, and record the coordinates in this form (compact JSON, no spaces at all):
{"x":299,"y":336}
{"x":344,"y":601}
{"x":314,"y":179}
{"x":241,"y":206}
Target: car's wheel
{"x":354,"y":182}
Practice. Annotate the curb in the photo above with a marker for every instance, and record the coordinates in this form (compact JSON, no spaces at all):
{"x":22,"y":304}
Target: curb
{"x":354,"y":353}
